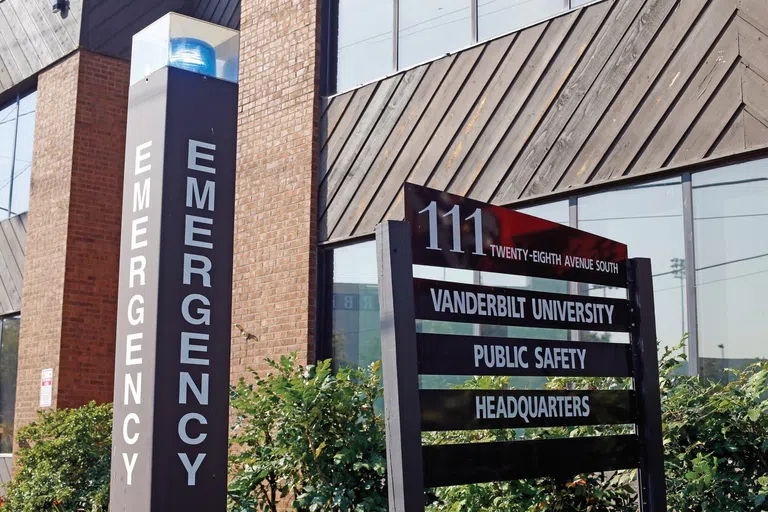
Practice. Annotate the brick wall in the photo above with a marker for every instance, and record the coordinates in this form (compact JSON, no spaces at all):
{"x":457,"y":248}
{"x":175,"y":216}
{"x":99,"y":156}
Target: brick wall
{"x":70,"y":281}
{"x":93,"y":247}
{"x":275,"y":235}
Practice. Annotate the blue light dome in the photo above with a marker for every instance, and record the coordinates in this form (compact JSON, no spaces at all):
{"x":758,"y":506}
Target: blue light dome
{"x":193,"y":55}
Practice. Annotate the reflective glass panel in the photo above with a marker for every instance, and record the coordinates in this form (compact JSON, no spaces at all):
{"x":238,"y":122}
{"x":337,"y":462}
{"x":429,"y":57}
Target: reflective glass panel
{"x":365,"y":44}
{"x":649,"y":219}
{"x":730,"y":209}
{"x":431,"y":28}
{"x":9,"y":356}
{"x":7,"y":138}
{"x":498,"y":17}
{"x":22,"y":170}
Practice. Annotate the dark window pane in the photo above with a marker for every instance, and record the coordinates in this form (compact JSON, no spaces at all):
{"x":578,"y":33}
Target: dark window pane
{"x":649,"y":219}
{"x":9,"y":355}
{"x":22,"y":170}
{"x":497,"y":17}
{"x":365,"y":44}
{"x":7,"y":136}
{"x":431,"y":28}
{"x":730,"y":219}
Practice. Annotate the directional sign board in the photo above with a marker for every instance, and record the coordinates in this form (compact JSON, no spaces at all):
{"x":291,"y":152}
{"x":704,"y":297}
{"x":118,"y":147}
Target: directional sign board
{"x":477,"y":409}
{"x":473,"y":355}
{"x":456,"y":302}
{"x":451,"y":231}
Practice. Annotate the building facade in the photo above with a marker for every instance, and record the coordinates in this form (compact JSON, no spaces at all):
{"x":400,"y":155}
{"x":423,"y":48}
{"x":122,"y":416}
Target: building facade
{"x":645,"y":121}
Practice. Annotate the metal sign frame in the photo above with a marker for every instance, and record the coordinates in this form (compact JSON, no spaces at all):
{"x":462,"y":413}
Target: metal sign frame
{"x":406,"y":355}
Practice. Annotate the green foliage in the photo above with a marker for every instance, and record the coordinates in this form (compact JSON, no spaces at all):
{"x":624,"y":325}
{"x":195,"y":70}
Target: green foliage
{"x":716,"y":440}
{"x":311,"y":439}
{"x":308,"y":436}
{"x":63,"y":462}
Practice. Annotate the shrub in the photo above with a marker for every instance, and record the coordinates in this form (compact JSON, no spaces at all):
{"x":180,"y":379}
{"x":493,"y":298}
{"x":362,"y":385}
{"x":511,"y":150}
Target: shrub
{"x":63,"y":462}
{"x":716,"y":440}
{"x":309,"y":437}
{"x":312,"y":439}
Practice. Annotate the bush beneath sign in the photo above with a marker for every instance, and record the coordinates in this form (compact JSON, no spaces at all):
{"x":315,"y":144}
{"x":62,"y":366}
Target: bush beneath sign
{"x":311,"y":439}
{"x":715,"y":439}
{"x":63,"y":462}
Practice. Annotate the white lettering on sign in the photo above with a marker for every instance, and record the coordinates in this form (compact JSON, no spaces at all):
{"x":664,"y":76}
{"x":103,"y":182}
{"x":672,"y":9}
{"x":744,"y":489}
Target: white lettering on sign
{"x":510,"y":306}
{"x":132,"y":359}
{"x":513,"y":356}
{"x":570,"y":311}
{"x":484,"y":304}
{"x":195,"y":307}
{"x":531,"y":407}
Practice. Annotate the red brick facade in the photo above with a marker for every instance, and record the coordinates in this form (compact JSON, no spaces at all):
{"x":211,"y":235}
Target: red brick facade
{"x":71,"y":275}
{"x":275,"y":205}
{"x":70,"y":282}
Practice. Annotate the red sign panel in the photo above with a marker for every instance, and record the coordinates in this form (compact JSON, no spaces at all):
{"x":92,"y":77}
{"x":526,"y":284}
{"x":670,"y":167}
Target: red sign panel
{"x":453,"y":231}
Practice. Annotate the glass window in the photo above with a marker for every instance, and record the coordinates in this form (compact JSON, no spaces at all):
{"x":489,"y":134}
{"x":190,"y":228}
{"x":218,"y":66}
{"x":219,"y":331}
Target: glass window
{"x":498,"y":17}
{"x":22,"y":169}
{"x":7,"y":140}
{"x":365,"y":44}
{"x":730,"y":213}
{"x":555,"y":212}
{"x":355,"y":319}
{"x":17,"y":127}
{"x":649,"y":219}
{"x":431,"y":28}
{"x":9,"y":355}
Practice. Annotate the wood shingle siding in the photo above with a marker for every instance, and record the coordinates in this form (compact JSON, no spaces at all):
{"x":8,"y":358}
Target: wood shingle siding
{"x":619,"y":88}
{"x":32,"y":37}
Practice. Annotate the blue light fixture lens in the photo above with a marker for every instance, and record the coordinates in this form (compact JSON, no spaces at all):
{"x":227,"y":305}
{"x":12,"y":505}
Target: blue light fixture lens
{"x":193,"y":55}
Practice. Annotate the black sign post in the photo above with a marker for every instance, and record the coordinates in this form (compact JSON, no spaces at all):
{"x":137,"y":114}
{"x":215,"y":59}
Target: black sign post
{"x":399,"y":368}
{"x":450,"y":231}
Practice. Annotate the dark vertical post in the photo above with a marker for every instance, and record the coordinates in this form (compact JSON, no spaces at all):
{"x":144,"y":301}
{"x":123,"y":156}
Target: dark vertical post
{"x":646,"y":374}
{"x":399,"y":365}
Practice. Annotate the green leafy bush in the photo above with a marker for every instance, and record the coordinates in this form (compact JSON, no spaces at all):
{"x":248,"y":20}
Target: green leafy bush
{"x":309,"y":437}
{"x":716,"y":440}
{"x":63,"y":462}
